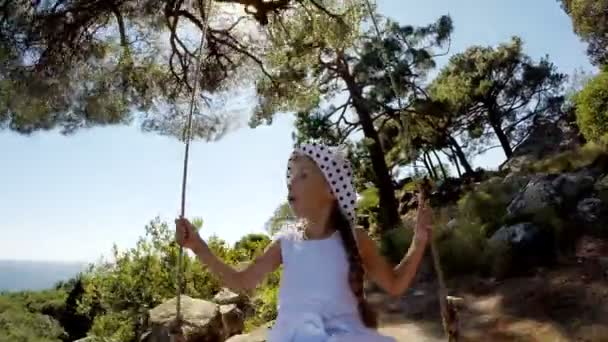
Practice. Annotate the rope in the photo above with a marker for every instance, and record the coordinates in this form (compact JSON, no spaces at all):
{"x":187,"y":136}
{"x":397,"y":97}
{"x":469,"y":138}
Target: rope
{"x":187,"y":139}
{"x":447,"y":320}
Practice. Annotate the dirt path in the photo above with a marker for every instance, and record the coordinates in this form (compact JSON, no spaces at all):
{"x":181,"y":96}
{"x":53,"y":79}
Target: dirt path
{"x":569,"y":304}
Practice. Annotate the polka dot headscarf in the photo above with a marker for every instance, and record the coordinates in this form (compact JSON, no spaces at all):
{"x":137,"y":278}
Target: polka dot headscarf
{"x":337,"y":171}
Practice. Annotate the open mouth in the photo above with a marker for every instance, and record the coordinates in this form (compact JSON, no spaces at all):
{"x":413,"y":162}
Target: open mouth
{"x":291,"y":199}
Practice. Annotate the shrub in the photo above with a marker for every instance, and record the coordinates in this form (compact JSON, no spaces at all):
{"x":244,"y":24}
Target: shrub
{"x":570,"y":160}
{"x":19,"y":324}
{"x":485,"y":206}
{"x":460,"y":249}
{"x":118,"y":327}
{"x":592,"y":108}
{"x":395,"y":243}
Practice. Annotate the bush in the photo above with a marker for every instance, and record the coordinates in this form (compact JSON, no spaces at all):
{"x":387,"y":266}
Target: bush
{"x":395,"y":243}
{"x":592,"y":108}
{"x":570,"y":160}
{"x":19,"y":324}
{"x":460,"y":249}
{"x":117,"y":327}
{"x":485,"y":206}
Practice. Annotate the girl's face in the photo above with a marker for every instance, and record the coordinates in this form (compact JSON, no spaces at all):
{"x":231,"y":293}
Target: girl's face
{"x":309,"y":192}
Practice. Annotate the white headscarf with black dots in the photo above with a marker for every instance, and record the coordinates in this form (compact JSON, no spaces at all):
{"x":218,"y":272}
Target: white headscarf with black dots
{"x":337,"y":171}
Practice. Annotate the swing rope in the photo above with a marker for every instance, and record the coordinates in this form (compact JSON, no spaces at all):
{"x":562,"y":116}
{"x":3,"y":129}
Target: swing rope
{"x":187,"y":136}
{"x":447,"y":315}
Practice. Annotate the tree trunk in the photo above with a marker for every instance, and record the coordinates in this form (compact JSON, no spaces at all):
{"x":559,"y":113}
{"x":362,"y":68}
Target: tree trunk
{"x":500,"y":134}
{"x":454,"y":160}
{"x":429,"y":164}
{"x":460,"y":154}
{"x":389,"y":209}
{"x":443,"y":173}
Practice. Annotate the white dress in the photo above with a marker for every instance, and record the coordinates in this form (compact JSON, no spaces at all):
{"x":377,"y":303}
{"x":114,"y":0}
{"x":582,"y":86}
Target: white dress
{"x":316,"y":303}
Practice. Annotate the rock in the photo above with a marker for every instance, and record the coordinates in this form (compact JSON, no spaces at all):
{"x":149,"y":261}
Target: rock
{"x":453,"y":223}
{"x":89,"y":339}
{"x":538,"y":195}
{"x":202,"y":321}
{"x":233,"y":320}
{"x":258,"y":335}
{"x":225,"y":297}
{"x":515,"y":182}
{"x":546,"y":138}
{"x":591,"y":216}
{"x":529,"y":246}
{"x":601,"y":188}
{"x":574,"y":184}
{"x":589,"y":210}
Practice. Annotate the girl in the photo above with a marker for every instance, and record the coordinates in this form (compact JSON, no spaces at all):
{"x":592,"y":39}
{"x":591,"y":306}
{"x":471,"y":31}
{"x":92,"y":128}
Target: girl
{"x":321,"y":292}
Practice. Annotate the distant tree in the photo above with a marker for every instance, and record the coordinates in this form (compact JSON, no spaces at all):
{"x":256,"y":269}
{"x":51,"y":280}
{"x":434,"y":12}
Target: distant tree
{"x":500,"y":89}
{"x":281,"y":216}
{"x":590,"y":21}
{"x":317,"y":62}
{"x":252,"y":245}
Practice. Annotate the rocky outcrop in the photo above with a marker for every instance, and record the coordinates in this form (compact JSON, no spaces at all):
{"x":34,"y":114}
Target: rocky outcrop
{"x":202,"y":321}
{"x":233,"y":320}
{"x":546,"y":138}
{"x":225,"y":297}
{"x":258,"y":335}
{"x":538,"y":195}
{"x":529,"y":245}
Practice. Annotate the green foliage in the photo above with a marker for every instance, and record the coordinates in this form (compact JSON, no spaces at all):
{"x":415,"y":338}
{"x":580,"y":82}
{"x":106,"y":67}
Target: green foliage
{"x":119,"y":327}
{"x":367,"y":206}
{"x":71,"y":66}
{"x":592,"y":108}
{"x":21,"y":322}
{"x":395,"y":243}
{"x":461,"y":248}
{"x":590,"y":21}
{"x":118,"y":295}
{"x":571,"y":160}
{"x":265,"y":304}
{"x":139,"y":279}
{"x":485,"y":206}
{"x":499,"y":89}
{"x":252,"y":245}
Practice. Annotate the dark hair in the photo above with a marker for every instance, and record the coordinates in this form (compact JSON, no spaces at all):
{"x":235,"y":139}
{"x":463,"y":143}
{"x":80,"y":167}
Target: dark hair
{"x":355,"y":273}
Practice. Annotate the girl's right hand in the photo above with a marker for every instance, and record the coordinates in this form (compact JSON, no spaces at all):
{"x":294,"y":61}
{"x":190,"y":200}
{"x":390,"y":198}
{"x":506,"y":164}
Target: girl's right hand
{"x":186,"y":234}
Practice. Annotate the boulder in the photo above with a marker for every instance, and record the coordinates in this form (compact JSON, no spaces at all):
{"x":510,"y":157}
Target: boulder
{"x":601,"y":188}
{"x":233,"y":320}
{"x":258,"y":335}
{"x":539,"y":194}
{"x":546,"y":138}
{"x":572,"y":185}
{"x":201,"y":321}
{"x":515,"y":181}
{"x":529,"y":245}
{"x":589,"y":210}
{"x":226,"y":296}
{"x":591,"y":216}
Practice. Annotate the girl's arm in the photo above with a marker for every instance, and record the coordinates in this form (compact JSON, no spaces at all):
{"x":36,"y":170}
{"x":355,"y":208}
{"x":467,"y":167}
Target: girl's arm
{"x":395,"y":280}
{"x":246,"y":279}
{"x":187,"y":236}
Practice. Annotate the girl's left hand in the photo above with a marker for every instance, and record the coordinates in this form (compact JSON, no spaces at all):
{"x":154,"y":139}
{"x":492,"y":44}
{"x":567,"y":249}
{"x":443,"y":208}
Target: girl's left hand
{"x":424,"y":219}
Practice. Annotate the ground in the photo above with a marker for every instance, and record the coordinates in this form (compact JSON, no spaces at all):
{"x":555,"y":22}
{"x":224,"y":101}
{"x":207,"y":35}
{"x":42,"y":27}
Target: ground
{"x":568,"y":303}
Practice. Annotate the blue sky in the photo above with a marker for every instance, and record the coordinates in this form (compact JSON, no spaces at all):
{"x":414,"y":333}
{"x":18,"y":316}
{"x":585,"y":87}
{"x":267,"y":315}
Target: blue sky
{"x":70,"y":198}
